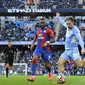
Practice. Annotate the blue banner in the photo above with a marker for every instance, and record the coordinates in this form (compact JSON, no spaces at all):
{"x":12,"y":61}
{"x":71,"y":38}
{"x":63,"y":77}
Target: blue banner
{"x":2,"y":10}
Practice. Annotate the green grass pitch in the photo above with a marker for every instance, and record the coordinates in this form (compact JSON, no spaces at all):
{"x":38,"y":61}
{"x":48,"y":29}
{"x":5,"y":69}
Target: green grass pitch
{"x":40,"y":80}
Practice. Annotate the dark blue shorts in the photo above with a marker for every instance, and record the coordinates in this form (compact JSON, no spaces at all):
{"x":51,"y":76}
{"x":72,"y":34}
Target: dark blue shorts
{"x":44,"y":53}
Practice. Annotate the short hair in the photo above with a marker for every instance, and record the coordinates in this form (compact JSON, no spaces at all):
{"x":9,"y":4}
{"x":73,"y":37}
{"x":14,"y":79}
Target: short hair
{"x":70,"y":18}
{"x":9,"y":40}
{"x":42,"y":18}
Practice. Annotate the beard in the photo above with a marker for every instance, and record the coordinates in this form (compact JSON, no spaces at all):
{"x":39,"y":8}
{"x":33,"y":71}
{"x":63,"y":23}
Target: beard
{"x":70,"y":27}
{"x":42,"y":27}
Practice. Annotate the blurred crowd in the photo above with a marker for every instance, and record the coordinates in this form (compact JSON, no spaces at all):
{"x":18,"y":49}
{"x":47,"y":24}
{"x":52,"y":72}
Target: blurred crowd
{"x":25,"y":56}
{"x":24,"y":30}
{"x":7,"y":4}
{"x":21,"y":4}
{"x":54,"y":4}
{"x":21,"y":30}
{"x":15,"y":33}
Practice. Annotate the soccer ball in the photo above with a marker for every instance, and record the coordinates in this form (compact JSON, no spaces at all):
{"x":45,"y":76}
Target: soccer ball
{"x":61,"y":79}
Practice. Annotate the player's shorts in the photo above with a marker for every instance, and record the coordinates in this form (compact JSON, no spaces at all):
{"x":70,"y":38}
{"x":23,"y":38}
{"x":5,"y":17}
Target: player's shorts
{"x":71,"y":54}
{"x":45,"y":54}
{"x":9,"y":61}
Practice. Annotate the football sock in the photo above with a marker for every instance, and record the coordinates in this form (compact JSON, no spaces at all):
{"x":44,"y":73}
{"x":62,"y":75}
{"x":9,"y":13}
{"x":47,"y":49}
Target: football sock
{"x":60,"y":73}
{"x":49,"y":70}
{"x":6,"y":72}
{"x":34,"y":66}
{"x":33,"y":69}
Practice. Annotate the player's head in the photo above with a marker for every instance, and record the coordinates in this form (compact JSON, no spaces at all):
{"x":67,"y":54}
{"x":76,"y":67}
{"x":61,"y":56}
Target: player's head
{"x":42,"y":23}
{"x":9,"y":43}
{"x":70,"y":22}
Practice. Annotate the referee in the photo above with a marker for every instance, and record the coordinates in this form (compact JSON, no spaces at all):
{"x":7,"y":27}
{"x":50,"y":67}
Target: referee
{"x":10,"y":51}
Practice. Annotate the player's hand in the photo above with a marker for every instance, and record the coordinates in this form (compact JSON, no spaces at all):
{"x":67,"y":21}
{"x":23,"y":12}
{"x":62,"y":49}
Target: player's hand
{"x":82,"y":51}
{"x":57,"y":14}
{"x":46,"y":43}
{"x":16,"y":59}
{"x":32,"y":46}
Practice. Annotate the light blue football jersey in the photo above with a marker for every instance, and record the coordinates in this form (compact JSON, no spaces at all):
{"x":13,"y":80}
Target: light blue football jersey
{"x":73,"y":36}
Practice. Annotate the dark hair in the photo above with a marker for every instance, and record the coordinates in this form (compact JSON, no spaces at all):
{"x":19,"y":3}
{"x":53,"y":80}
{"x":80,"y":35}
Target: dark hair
{"x":9,"y":40}
{"x":70,"y":18}
{"x":42,"y":18}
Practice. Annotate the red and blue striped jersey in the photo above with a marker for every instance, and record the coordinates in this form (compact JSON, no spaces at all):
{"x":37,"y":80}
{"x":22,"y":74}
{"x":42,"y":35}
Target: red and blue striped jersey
{"x":44,"y":35}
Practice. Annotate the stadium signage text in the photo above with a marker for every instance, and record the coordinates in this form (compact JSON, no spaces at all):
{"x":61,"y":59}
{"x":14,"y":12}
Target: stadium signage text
{"x":29,"y":10}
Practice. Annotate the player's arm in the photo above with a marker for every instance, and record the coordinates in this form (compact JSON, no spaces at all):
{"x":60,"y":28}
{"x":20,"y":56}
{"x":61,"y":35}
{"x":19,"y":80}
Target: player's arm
{"x":52,"y":38}
{"x":4,"y":51}
{"x":61,"y":20}
{"x":16,"y":52}
{"x":81,"y":43}
{"x":35,"y":39}
{"x":48,"y":42}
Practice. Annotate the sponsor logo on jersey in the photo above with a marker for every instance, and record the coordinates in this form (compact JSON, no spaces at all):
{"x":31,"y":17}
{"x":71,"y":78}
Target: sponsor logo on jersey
{"x":40,"y":35}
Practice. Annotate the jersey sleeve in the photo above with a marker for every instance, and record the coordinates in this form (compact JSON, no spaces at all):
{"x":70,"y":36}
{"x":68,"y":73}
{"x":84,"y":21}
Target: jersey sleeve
{"x":50,"y":32}
{"x":5,"y":50}
{"x":79,"y":38}
{"x":15,"y":49}
{"x":35,"y":33}
{"x":62,"y":22}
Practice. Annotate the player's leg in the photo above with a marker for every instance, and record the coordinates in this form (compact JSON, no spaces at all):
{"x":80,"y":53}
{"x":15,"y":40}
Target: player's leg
{"x":83,"y":61}
{"x":9,"y":66}
{"x":62,"y":60}
{"x":6,"y":66}
{"x":79,"y":63}
{"x":61,"y":63}
{"x":48,"y":67}
{"x":7,"y":69}
{"x":61,"y":70}
{"x":46,"y":55}
{"x":76,"y":57}
{"x":34,"y":64}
